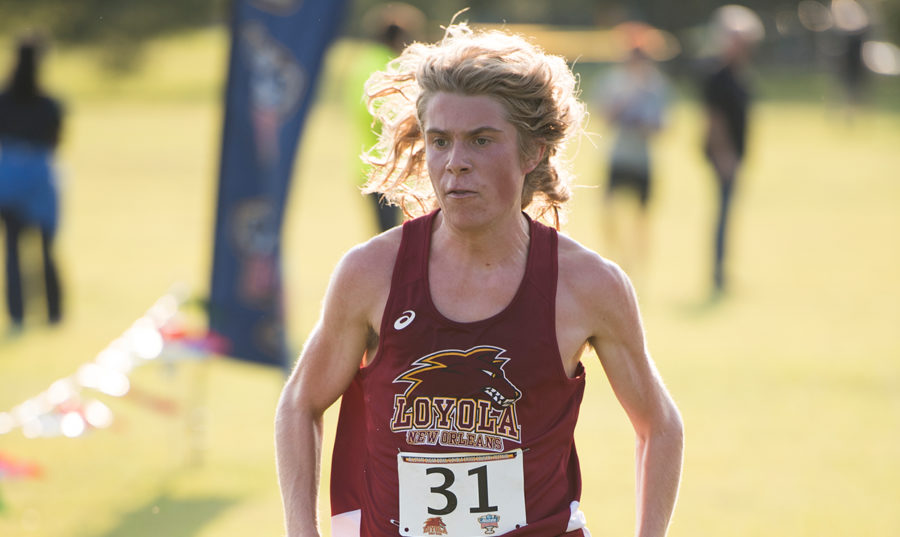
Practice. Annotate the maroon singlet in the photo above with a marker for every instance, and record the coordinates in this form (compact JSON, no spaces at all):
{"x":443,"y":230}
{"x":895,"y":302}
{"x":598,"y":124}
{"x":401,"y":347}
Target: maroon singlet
{"x":492,"y":388}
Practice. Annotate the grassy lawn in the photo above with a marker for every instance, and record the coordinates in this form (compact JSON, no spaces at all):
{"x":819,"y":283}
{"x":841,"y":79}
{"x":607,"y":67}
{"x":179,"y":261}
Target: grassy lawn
{"x":790,"y":386}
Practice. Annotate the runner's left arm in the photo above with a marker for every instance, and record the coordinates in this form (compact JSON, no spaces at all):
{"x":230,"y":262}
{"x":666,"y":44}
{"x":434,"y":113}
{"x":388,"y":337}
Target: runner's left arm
{"x":619,"y":342}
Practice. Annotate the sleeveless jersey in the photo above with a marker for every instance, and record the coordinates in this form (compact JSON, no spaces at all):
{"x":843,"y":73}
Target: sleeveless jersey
{"x":461,"y":428}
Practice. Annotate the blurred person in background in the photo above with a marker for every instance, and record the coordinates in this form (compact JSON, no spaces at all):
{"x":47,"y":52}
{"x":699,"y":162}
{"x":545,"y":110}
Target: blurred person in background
{"x":633,"y":98}
{"x":30,"y":123}
{"x":727,"y":98}
{"x":456,"y":339}
{"x":852,"y":27}
{"x":391,"y":27}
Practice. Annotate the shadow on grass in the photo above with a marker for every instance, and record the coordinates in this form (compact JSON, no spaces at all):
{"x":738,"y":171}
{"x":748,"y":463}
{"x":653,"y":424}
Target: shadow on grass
{"x":172,"y":517}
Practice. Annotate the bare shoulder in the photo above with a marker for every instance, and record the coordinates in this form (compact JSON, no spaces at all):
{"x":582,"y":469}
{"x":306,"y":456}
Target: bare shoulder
{"x":374,"y":258}
{"x":589,"y":274}
{"x":594,"y":293}
{"x":361,"y":282}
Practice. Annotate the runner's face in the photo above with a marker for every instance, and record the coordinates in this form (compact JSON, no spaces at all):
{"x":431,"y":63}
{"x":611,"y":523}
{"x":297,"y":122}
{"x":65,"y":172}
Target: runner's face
{"x":473,"y":158}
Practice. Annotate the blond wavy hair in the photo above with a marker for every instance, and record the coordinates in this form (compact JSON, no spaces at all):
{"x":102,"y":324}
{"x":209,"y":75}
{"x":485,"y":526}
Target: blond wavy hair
{"x":538,"y":91}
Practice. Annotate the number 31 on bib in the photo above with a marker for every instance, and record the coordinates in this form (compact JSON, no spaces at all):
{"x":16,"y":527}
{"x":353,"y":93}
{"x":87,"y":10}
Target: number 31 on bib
{"x":461,"y":494}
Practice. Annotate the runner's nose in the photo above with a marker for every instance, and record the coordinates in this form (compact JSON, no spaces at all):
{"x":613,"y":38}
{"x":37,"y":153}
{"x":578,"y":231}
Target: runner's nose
{"x":458,"y":161}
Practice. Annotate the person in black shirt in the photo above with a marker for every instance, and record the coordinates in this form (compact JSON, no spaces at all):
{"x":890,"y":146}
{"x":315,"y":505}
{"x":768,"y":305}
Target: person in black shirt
{"x":726,"y":96}
{"x":30,"y":123}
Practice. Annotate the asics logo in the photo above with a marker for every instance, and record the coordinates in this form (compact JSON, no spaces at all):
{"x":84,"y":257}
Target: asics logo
{"x":404,"y":320}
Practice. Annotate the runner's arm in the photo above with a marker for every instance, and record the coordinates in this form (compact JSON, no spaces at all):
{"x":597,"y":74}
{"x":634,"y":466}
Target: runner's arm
{"x":619,"y":342}
{"x":327,"y":365}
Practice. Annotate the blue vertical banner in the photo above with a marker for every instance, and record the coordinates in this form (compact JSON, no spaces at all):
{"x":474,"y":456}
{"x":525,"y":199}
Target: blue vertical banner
{"x":276,"y":55}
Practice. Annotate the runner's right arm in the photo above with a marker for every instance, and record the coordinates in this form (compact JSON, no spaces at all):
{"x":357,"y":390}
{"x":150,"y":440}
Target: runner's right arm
{"x":327,"y":365}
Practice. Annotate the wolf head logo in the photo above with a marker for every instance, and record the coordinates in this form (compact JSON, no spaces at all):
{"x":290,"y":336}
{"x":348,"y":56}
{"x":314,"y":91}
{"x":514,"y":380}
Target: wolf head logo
{"x":476,"y":373}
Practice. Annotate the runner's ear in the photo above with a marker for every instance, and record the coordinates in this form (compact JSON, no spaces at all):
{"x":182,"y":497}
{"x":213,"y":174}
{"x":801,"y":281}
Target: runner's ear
{"x":533,"y":160}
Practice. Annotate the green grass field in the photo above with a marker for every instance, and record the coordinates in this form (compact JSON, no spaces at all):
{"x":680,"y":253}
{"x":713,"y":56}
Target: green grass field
{"x":790,"y":386}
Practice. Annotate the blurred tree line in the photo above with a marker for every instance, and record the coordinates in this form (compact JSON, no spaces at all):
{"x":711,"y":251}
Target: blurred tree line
{"x":119,"y":27}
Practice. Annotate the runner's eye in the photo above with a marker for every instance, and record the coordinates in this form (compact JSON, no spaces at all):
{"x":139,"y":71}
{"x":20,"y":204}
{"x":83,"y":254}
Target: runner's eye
{"x":489,"y":373}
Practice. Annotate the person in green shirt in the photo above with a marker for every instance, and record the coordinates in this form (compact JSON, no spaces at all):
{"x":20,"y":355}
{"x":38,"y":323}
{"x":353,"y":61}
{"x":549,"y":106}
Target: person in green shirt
{"x":391,"y":27}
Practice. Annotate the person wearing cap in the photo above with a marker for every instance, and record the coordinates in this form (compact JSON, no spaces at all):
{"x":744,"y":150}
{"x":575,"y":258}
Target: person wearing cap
{"x":727,"y":98}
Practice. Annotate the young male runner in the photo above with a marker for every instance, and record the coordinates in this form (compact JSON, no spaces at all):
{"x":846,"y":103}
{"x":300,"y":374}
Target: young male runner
{"x":456,"y":339}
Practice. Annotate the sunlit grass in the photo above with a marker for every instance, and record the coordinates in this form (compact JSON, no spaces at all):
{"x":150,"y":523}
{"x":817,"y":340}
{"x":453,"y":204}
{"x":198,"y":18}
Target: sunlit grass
{"x":790,"y":387}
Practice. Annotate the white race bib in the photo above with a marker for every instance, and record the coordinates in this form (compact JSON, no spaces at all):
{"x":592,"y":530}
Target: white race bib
{"x":461,"y":494}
